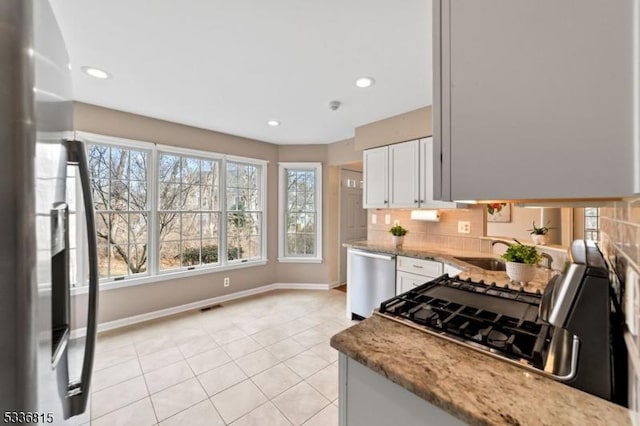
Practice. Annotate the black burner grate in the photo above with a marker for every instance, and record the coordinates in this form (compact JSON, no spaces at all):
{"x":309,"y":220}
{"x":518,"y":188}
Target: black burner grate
{"x":499,"y":318}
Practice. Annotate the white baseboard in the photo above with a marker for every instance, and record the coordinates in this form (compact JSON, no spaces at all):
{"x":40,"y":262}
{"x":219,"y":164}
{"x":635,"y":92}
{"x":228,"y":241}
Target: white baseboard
{"x":123,"y":322}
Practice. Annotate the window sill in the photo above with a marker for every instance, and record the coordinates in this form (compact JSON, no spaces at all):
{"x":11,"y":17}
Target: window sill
{"x":300,"y":259}
{"x":167,"y":276}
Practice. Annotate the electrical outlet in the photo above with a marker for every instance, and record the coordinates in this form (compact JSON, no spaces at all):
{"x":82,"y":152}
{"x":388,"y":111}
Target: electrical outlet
{"x":464,"y":227}
{"x":374,"y":219}
{"x":227,"y":281}
{"x":396,"y":222}
{"x":387,"y":219}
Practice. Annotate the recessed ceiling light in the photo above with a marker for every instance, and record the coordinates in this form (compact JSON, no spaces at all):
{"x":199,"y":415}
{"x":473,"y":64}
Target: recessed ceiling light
{"x":365,"y":82}
{"x":273,"y":123}
{"x":96,"y":72}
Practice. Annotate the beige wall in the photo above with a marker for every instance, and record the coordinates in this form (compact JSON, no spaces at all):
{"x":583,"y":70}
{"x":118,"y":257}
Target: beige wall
{"x":129,"y":301}
{"x":399,"y":128}
{"x":343,"y":152}
{"x":327,"y":271}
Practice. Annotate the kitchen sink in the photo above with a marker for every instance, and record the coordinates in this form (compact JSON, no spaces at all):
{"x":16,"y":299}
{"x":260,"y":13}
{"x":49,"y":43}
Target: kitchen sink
{"x":487,"y":263}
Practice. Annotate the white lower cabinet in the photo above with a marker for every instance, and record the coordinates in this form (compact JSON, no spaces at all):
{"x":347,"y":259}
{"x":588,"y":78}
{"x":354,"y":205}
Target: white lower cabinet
{"x":368,"y":399}
{"x":412,"y":272}
{"x":406,"y":281}
{"x":451,"y":270}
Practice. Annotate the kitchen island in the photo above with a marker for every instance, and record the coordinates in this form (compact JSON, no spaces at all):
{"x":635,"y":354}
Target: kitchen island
{"x":455,"y":382}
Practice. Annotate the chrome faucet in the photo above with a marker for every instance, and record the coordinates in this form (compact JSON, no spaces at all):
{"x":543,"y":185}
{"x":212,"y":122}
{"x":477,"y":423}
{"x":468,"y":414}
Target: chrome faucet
{"x":548,"y":258}
{"x":494,"y":242}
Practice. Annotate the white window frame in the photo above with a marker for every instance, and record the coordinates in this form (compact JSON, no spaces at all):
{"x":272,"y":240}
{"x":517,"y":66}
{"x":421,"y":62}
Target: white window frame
{"x":282,"y":211}
{"x":93,"y":139}
{"x":263,"y":205}
{"x":171,"y":150}
{"x":153,"y":274}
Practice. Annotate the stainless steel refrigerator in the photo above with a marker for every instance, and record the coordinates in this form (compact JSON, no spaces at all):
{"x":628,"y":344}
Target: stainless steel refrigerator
{"x":45,"y":365}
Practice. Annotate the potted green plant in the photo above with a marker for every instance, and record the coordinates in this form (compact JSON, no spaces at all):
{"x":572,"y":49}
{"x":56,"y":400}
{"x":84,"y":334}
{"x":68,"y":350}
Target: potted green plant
{"x":540,"y":235}
{"x":397,"y":235}
{"x":521,"y":262}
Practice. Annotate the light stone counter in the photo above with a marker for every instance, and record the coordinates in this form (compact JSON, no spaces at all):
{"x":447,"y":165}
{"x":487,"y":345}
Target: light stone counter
{"x":474,"y":387}
{"x":447,"y":256}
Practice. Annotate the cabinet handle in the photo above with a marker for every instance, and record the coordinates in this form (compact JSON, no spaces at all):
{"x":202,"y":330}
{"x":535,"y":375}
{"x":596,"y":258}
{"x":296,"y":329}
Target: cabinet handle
{"x":417,"y":266}
{"x":415,"y":201}
{"x":422,"y":201}
{"x":386,"y":202}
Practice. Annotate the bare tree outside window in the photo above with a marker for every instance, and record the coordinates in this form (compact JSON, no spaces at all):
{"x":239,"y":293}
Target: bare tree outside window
{"x":119,"y":185}
{"x":300,"y":212}
{"x":188,"y":211}
{"x":244,"y":211}
{"x":300,"y":220}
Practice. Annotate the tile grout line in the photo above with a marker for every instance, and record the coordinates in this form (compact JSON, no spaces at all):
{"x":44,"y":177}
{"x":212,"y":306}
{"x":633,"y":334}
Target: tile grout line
{"x":153,"y":407}
{"x":321,"y":320}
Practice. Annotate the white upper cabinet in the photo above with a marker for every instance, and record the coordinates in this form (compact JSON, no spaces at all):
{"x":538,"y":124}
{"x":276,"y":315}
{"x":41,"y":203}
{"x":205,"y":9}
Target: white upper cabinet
{"x":404,"y":165}
{"x":535,"y":99}
{"x":401,"y":176}
{"x":426,"y":199}
{"x":376,"y":178}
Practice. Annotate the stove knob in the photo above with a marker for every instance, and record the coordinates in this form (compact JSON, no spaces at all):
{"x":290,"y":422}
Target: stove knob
{"x":505,"y":286}
{"x":521,"y":289}
{"x":493,"y":284}
{"x":538,"y":292}
{"x":481,"y":281}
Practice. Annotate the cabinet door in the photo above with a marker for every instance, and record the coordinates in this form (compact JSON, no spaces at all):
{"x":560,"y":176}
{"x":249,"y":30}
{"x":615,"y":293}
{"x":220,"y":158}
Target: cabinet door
{"x":406,"y":281}
{"x":376,"y":176}
{"x":430,"y":268}
{"x":427,"y":199}
{"x":534,"y":99}
{"x":403,"y":174}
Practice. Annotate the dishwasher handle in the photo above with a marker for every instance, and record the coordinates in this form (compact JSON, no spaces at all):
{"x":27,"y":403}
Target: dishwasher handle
{"x":373,"y":255}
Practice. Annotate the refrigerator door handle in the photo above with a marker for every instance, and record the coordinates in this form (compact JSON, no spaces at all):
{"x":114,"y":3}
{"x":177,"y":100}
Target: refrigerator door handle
{"x":78,"y":392}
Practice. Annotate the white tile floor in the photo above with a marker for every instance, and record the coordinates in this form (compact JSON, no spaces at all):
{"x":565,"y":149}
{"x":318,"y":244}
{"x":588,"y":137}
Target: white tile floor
{"x":263,"y":360}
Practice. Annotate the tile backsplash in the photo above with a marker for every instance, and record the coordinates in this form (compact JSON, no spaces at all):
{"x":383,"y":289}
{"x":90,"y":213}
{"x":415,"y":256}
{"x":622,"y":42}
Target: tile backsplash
{"x":620,"y":242}
{"x":444,"y":232}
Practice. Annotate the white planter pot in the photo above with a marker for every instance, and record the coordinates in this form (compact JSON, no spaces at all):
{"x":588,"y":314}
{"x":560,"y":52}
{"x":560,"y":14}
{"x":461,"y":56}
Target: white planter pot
{"x":520,"y":272}
{"x":540,"y":239}
{"x":397,"y":241}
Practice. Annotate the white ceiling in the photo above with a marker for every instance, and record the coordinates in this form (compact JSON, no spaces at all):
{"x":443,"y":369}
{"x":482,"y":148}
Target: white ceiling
{"x":232,"y":65}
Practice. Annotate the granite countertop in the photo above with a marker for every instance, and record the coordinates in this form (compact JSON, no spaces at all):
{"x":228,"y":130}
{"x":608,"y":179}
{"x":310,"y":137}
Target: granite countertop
{"x":447,"y":255}
{"x":472,"y":386}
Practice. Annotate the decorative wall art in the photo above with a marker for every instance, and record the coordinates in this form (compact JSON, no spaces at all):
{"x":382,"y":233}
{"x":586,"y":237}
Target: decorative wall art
{"x":499,"y":212}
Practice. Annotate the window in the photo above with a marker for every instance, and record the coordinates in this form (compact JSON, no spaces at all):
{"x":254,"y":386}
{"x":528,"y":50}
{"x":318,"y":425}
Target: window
{"x":300,"y":212}
{"x":244,"y":211}
{"x":162,"y":209}
{"x":591,"y":223}
{"x":119,"y":182}
{"x":188,"y":211}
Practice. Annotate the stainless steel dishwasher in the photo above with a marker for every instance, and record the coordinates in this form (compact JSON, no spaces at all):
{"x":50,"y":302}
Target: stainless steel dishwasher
{"x":371,"y":280}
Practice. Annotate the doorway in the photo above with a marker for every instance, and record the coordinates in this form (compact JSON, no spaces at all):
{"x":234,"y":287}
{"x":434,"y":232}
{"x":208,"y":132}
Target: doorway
{"x":353,"y":218}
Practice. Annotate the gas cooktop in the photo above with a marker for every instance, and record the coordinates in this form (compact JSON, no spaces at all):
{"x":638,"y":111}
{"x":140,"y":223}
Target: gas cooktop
{"x":499,"y":320}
